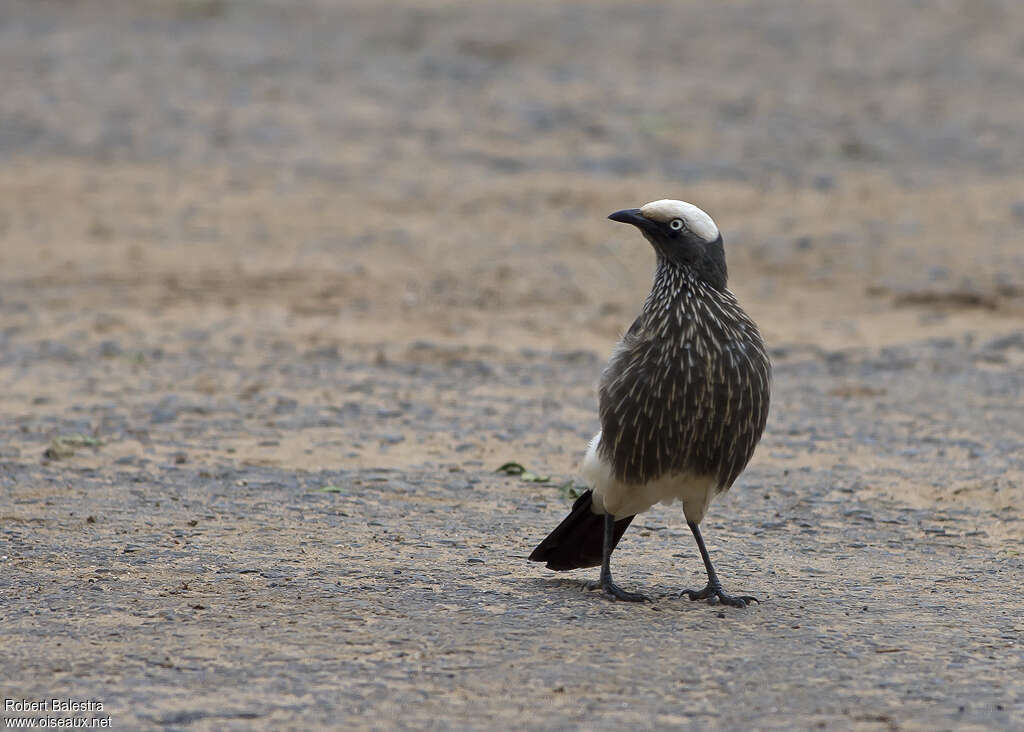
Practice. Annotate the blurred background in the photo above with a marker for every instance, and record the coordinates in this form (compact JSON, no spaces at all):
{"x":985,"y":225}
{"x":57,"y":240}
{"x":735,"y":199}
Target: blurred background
{"x":354,"y":177}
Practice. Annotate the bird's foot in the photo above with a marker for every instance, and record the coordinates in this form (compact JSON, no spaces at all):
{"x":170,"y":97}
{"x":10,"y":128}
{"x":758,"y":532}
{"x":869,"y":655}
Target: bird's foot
{"x":714,"y":594}
{"x":613,"y":592}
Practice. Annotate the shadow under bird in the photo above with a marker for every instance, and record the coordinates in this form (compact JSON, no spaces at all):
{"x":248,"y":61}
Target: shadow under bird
{"x":683,"y":402}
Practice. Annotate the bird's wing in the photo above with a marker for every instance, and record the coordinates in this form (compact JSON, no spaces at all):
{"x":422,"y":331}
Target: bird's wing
{"x":625,"y":393}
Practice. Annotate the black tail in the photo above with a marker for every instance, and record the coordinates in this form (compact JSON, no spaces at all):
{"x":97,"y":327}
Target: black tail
{"x":578,"y":541}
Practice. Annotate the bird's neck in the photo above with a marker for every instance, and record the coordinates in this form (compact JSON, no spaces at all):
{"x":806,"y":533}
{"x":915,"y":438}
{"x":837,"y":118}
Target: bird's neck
{"x":683,"y":304}
{"x":673,"y":282}
{"x":704,"y":265}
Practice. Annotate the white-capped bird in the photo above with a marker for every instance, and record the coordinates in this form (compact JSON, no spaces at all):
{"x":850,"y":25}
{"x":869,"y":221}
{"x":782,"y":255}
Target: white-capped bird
{"x":683,"y":402}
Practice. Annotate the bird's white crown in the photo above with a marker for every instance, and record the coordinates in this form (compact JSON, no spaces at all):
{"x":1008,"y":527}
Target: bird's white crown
{"x":695,"y":219}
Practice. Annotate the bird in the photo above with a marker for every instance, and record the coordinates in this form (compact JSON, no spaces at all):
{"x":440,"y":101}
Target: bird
{"x":683,"y":402}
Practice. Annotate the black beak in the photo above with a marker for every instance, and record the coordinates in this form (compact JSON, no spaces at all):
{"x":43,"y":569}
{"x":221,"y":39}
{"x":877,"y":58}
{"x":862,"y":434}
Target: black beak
{"x":632,"y":216}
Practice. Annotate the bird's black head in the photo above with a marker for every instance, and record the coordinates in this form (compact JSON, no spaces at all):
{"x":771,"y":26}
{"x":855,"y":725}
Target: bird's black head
{"x":682,"y":235}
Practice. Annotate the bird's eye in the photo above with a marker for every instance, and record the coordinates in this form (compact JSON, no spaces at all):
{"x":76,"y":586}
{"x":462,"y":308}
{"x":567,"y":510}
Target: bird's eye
{"x":676,"y":224}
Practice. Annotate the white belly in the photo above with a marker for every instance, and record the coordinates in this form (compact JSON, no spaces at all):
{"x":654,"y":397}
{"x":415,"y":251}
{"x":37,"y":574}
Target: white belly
{"x":622,"y":500}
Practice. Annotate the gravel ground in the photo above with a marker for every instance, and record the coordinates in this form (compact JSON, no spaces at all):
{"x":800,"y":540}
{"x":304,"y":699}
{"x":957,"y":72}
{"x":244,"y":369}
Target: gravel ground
{"x":281,"y":287}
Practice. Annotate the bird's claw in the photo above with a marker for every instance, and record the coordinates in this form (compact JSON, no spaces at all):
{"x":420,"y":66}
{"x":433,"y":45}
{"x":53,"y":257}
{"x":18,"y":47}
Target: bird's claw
{"x":714,"y":594}
{"x":612,"y":591}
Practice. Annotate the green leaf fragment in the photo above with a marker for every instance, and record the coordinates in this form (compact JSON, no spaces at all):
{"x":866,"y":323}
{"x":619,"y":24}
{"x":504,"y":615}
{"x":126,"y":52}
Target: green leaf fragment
{"x":64,"y":446}
{"x":525,"y":475}
{"x":571,"y":491}
{"x":79,"y":441}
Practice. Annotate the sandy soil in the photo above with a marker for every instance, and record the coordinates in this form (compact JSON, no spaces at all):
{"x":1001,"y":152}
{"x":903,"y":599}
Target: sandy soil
{"x":281,"y":287}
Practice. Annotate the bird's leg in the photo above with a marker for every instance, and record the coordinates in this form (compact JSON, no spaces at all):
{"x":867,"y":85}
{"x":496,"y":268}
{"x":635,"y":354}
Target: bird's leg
{"x":713,"y":590}
{"x":611,"y":590}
